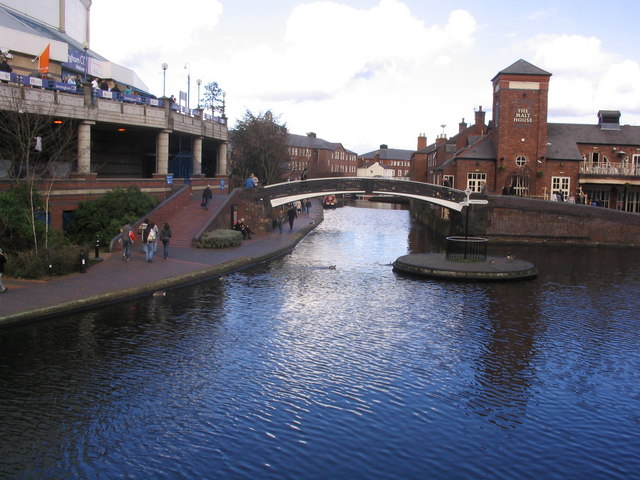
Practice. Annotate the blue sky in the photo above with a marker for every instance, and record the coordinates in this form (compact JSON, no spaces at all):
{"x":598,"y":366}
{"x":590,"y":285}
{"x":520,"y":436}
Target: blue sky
{"x":367,"y":72}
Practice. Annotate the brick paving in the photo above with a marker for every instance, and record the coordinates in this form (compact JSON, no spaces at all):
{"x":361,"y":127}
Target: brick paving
{"x":113,"y":280}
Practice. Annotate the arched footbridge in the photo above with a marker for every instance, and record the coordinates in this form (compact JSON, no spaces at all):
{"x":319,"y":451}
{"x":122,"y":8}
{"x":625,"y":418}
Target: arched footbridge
{"x":282,"y":193}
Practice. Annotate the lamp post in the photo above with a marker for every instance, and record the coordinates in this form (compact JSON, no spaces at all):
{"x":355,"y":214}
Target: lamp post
{"x":85,"y":47}
{"x":164,"y":78}
{"x":199,"y":82}
{"x":188,"y":86}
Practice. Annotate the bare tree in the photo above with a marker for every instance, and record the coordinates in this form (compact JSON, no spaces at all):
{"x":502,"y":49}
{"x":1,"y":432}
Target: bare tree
{"x":34,"y":143}
{"x":259,"y":145}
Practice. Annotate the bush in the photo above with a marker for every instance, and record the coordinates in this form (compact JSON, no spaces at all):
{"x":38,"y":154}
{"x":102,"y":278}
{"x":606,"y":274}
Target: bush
{"x":28,"y":264}
{"x":108,"y":213}
{"x":220,"y":239}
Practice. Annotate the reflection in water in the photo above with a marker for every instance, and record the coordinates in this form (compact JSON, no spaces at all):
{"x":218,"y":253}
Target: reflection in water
{"x":296,"y":370}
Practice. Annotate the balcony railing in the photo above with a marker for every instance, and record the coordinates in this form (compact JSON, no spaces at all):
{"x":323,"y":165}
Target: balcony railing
{"x":48,"y":84}
{"x":611,"y":168}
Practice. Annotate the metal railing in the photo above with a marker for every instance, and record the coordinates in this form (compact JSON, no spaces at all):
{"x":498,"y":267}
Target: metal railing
{"x":466,"y":249}
{"x":610,"y":168}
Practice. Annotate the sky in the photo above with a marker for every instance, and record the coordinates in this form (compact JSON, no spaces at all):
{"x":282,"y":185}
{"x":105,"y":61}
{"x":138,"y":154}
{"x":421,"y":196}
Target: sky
{"x":369,"y":72}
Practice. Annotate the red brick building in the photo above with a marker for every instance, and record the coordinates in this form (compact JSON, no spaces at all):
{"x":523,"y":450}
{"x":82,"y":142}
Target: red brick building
{"x":395,"y":159}
{"x":520,"y":153}
{"x":319,"y":157}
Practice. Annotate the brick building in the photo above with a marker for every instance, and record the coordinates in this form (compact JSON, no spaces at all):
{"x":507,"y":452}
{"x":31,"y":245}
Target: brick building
{"x":519,"y":152}
{"x":319,"y":157}
{"x":395,"y":159}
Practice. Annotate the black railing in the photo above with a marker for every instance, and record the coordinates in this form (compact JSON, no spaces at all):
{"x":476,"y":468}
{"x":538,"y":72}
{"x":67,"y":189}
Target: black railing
{"x":466,"y":249}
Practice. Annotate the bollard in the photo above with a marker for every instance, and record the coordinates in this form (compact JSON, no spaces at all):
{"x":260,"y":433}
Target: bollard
{"x":97,"y":246}
{"x":83,"y":262}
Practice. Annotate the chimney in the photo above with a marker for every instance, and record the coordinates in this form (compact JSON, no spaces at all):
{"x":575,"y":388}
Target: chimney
{"x":383,"y":146}
{"x":480,"y":116}
{"x":311,"y":134}
{"x":422,"y":141}
{"x":462,"y":125}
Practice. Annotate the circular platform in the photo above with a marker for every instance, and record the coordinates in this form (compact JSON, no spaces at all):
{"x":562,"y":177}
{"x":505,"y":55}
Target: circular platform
{"x":436,"y":265}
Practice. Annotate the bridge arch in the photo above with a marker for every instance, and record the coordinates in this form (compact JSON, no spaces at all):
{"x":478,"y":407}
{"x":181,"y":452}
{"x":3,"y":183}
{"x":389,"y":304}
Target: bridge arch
{"x":283,"y":193}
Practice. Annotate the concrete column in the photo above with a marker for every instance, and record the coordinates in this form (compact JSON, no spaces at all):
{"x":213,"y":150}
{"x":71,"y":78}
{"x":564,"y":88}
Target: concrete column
{"x":84,"y":147}
{"x":222,"y":160}
{"x":162,"y":152}
{"x":197,"y":156}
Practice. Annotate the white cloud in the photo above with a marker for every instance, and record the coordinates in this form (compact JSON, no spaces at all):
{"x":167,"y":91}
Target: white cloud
{"x":586,"y":78}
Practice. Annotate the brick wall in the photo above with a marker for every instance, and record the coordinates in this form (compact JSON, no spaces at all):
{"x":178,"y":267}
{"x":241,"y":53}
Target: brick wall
{"x":518,"y":220}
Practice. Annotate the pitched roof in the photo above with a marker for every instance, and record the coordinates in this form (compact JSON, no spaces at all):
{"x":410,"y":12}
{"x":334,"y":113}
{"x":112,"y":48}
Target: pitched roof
{"x":309,"y":141}
{"x":389,"y":154}
{"x":522,"y":67}
{"x":481,"y":149}
{"x":563,"y":138}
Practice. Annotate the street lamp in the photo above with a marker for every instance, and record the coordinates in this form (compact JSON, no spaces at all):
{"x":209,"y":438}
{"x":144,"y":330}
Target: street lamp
{"x":199,"y":82}
{"x":85,"y":47}
{"x":164,"y":78}
{"x":188,"y":86}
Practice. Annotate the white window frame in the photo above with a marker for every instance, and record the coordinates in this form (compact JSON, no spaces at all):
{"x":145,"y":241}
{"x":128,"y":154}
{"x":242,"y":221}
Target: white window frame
{"x":561,"y":184}
{"x":475,"y":181}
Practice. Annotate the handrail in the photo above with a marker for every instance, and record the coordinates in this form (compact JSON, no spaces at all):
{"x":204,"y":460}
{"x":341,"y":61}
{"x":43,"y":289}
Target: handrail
{"x":49,"y":84}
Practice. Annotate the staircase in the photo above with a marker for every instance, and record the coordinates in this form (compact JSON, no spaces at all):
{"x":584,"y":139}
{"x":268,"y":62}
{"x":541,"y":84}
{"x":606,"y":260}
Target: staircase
{"x":186,"y":223}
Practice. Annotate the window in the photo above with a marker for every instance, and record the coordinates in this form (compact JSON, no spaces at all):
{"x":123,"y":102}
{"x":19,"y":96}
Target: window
{"x":600,"y":198}
{"x":476,"y":180}
{"x":632,"y":201}
{"x":635,"y":164}
{"x":521,"y":160}
{"x":561,"y":184}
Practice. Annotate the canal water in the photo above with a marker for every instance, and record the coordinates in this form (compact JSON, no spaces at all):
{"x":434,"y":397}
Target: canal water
{"x":325,"y":364}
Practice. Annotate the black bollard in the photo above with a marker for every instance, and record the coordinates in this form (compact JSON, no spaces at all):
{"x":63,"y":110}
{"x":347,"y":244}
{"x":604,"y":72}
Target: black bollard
{"x":83,"y":262}
{"x":97,"y":246}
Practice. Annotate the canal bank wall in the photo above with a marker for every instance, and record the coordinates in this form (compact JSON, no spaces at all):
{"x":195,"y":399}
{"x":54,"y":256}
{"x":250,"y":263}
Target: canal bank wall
{"x":518,"y":220}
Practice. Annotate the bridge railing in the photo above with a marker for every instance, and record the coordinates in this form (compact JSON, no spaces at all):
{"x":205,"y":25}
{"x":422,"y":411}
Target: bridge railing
{"x":320,"y":186}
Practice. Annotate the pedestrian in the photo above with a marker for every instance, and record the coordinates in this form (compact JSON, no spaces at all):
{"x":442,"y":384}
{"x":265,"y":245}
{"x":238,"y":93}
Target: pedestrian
{"x":292,"y":214}
{"x":243,"y":228}
{"x":298,"y":207}
{"x":280,"y":219}
{"x":165,"y":235}
{"x":3,"y":260}
{"x":249,"y":183}
{"x":148,"y":235}
{"x":256,"y":183}
{"x":206,"y":196}
{"x":127,"y":240}
{"x":308,"y":206}
{"x":155,"y":238}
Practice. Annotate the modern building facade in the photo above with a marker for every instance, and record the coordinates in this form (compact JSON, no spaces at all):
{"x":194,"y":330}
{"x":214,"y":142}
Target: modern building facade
{"x":123,"y":137}
{"x":520,"y":153}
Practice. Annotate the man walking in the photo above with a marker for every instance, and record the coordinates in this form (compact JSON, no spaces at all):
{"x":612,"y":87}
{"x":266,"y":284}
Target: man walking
{"x":206,"y":196}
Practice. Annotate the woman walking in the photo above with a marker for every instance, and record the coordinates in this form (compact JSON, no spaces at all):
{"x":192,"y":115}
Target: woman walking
{"x":165,"y":235}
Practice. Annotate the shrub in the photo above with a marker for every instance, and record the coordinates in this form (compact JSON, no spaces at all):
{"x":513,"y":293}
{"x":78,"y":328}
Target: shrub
{"x":220,"y":239}
{"x":108,"y":213}
{"x":28,"y":264}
